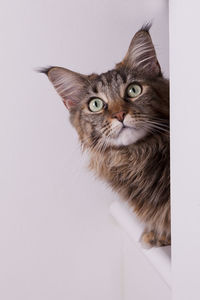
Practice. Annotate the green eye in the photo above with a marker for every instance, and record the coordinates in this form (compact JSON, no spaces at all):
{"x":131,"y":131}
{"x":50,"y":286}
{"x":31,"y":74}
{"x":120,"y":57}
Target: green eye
{"x":134,"y":90}
{"x":96,"y":104}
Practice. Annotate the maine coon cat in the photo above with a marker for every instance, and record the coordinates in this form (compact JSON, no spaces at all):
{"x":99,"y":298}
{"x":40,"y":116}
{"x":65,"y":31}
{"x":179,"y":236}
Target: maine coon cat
{"x":122,"y":119}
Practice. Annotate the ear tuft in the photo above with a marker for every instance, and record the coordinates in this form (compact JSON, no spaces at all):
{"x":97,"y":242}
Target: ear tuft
{"x":68,"y":84}
{"x":146,"y":27}
{"x":44,"y":70}
{"x":141,"y":54}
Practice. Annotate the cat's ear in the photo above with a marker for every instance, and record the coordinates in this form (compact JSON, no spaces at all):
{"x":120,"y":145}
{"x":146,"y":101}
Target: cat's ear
{"x":141,"y":54}
{"x":68,"y":84}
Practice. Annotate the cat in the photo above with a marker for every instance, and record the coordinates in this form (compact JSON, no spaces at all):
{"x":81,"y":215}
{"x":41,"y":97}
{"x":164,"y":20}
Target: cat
{"x":122,"y":120}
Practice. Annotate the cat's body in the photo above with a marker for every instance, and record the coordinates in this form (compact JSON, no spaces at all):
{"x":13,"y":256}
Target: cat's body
{"x":140,"y":174}
{"x":122,"y":119}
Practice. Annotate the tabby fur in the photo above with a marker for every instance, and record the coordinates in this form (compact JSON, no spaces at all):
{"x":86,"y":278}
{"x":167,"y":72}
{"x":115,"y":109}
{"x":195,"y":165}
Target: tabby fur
{"x":136,"y":165}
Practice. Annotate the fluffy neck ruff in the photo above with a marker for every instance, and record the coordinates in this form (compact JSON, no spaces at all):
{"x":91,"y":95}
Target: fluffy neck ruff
{"x":140,"y":173}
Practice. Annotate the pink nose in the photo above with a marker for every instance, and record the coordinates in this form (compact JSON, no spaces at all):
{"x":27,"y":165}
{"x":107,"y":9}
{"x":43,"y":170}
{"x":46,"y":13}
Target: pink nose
{"x":119,"y":116}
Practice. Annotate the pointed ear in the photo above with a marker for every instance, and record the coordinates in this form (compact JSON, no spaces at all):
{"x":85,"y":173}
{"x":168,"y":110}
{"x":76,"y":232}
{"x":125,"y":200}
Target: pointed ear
{"x":141,"y":54}
{"x":68,"y":84}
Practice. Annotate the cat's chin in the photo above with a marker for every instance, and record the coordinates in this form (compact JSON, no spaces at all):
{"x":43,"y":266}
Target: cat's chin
{"x":128,"y":136}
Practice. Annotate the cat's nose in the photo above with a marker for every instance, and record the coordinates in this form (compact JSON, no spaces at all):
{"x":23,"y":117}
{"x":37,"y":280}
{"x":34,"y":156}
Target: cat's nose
{"x":119,"y":116}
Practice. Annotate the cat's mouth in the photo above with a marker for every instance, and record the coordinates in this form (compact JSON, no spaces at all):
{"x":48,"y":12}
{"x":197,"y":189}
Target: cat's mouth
{"x":126,"y":127}
{"x":128,"y":135}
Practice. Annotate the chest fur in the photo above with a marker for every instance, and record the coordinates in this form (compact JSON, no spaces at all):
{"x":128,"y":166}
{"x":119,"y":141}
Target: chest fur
{"x":139,"y":174}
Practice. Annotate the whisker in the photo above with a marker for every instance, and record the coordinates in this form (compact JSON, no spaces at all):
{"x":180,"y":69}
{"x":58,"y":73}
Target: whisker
{"x":154,"y":128}
{"x":158,"y":124}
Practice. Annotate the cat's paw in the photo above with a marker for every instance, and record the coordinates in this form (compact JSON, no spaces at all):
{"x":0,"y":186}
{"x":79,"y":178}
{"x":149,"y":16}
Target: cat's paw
{"x":150,"y":239}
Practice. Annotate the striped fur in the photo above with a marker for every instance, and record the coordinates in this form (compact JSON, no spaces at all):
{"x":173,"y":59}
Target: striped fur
{"x":133,"y":155}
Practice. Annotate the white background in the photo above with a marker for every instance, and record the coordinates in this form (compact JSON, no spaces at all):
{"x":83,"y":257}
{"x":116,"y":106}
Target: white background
{"x":57,"y":239}
{"x":185,"y":148}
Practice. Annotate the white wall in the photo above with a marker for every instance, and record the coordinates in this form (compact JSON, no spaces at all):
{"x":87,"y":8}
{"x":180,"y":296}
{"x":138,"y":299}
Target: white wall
{"x":57,"y":240}
{"x":185,"y":148}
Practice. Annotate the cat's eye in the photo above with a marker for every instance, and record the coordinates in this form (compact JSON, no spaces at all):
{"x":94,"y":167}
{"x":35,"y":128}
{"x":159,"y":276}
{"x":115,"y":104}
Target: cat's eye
{"x":133,"y":90}
{"x":96,"y":104}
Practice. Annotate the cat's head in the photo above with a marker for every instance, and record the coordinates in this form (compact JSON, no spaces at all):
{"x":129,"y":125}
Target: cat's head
{"x":121,"y":106}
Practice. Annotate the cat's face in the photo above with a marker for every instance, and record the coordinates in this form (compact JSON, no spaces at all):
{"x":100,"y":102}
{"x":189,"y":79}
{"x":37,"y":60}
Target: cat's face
{"x":121,"y":106}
